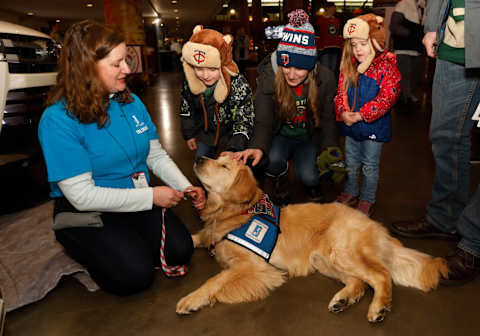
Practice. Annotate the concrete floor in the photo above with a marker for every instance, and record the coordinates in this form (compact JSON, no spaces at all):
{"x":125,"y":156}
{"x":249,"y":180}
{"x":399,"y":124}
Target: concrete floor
{"x":299,"y":307}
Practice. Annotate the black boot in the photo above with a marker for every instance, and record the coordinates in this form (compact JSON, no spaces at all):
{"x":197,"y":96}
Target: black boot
{"x":279,"y":193}
{"x":316,"y":194}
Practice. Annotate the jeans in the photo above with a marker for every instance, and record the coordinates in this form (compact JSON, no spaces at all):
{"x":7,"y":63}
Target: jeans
{"x":205,"y":150}
{"x":455,"y":96}
{"x":304,"y":155}
{"x":366,"y":153}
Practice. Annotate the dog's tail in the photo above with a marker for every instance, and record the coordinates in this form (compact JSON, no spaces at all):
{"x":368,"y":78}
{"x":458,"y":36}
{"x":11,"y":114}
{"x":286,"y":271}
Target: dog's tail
{"x":413,"y":268}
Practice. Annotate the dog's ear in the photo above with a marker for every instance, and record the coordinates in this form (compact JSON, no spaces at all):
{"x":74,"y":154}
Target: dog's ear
{"x":243,"y":188}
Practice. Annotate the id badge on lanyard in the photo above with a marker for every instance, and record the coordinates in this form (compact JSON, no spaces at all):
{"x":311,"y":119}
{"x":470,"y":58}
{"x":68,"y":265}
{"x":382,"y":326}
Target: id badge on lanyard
{"x":139,"y":180}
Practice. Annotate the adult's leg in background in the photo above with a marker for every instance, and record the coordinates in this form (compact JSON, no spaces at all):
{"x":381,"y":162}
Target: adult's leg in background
{"x":469,"y":226}
{"x":405,"y":66}
{"x":455,"y":96}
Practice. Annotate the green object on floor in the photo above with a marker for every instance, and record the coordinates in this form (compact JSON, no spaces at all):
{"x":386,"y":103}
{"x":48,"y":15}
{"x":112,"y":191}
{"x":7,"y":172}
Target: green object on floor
{"x":331,"y":165}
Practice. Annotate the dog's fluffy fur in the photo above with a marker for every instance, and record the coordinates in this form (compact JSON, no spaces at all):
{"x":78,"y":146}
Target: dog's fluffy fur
{"x":333,"y":239}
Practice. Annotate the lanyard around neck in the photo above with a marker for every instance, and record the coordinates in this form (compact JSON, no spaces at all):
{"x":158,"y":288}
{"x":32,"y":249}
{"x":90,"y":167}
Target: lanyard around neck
{"x":132,"y":163}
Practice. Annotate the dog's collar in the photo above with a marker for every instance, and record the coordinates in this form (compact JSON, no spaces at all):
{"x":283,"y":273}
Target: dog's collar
{"x":263,"y":207}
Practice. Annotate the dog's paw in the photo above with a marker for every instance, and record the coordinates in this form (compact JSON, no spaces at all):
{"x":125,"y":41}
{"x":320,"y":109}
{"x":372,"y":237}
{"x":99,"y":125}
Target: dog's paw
{"x":196,"y":240}
{"x":337,"y":306}
{"x":191,"y":303}
{"x":376,"y":316}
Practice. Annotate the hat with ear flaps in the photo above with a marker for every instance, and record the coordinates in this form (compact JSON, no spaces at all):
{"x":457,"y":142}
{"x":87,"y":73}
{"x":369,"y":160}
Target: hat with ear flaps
{"x":208,"y":48}
{"x":368,"y":27}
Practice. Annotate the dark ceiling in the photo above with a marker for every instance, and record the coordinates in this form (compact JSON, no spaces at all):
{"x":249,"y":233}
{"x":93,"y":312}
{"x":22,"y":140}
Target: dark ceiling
{"x":190,"y":12}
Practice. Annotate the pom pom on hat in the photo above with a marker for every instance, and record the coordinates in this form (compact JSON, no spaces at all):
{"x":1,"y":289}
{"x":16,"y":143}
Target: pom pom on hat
{"x":297,"y":17}
{"x":297,"y":46}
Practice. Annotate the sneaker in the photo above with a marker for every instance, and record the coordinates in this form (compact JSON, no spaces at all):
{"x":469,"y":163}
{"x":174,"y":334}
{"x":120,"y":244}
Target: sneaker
{"x":346,"y":199}
{"x":365,"y":207}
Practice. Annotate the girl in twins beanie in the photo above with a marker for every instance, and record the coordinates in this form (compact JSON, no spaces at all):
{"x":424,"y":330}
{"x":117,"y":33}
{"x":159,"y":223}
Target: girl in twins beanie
{"x":297,"y":46}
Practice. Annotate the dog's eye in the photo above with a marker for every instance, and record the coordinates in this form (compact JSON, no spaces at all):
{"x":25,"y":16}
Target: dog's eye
{"x":224,"y":166}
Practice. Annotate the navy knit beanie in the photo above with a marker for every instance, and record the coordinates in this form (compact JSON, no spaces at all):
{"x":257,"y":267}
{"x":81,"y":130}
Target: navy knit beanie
{"x":297,"y":46}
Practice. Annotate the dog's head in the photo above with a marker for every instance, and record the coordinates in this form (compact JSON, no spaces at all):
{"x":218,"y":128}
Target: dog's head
{"x":226,"y":179}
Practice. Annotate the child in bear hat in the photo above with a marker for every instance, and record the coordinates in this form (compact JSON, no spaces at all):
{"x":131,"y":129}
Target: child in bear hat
{"x":217,"y":108}
{"x":368,"y":87}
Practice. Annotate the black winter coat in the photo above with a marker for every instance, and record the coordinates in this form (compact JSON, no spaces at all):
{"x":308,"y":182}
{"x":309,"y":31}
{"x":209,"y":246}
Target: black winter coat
{"x":267,"y":125}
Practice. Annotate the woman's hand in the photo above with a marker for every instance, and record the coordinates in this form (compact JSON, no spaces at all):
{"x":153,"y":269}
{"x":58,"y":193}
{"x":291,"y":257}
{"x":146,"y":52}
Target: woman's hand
{"x":197,"y":195}
{"x":252,"y":153}
{"x":192,"y":144}
{"x":166,"y":197}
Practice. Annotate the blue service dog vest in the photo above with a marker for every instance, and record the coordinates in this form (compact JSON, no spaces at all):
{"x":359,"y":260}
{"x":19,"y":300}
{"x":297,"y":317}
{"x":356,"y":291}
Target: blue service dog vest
{"x":260,"y":233}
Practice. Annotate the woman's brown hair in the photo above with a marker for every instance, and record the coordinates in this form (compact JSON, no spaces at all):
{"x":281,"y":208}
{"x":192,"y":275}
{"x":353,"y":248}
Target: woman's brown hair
{"x":285,"y":100}
{"x":78,"y":83}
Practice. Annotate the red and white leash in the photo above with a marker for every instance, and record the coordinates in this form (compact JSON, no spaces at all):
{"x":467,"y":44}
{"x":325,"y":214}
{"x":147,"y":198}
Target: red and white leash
{"x":170,"y":271}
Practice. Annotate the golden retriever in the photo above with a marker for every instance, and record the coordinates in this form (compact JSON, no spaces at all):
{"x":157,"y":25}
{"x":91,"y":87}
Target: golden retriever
{"x":333,"y":239}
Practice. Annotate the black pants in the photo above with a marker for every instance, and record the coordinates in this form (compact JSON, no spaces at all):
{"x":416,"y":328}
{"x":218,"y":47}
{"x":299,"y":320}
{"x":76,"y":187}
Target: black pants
{"x":121,"y":255}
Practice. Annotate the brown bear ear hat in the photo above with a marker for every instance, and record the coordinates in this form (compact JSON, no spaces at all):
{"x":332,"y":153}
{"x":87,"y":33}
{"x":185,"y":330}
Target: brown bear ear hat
{"x":369,"y":27}
{"x":209,"y":49}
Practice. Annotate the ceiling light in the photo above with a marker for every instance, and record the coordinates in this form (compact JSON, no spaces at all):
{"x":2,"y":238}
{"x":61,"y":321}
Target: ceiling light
{"x":232,"y":11}
{"x":30,"y":13}
{"x":156,"y":21}
{"x":57,"y":20}
{"x":175,"y":10}
{"x":177,"y":17}
{"x":89,"y":5}
{"x":174,"y":2}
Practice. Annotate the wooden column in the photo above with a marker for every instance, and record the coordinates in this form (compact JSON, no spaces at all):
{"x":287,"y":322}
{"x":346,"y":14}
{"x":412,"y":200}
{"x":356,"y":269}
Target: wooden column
{"x":243,"y":15}
{"x":257,"y":24}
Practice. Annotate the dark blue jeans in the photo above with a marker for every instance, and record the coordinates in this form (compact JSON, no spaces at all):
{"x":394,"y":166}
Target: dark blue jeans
{"x":455,"y":96}
{"x":304,"y":156}
{"x":205,"y":150}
